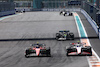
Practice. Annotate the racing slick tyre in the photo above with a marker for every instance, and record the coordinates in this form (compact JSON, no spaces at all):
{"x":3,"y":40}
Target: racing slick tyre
{"x":90,"y":50}
{"x":90,"y":53}
{"x":57,"y":36}
{"x":71,"y":36}
{"x":24,"y":11}
{"x":60,"y":13}
{"x":64,"y":14}
{"x":70,"y":14}
{"x":26,"y":55}
{"x":49,"y":55}
{"x":67,"y":54}
{"x":48,"y":52}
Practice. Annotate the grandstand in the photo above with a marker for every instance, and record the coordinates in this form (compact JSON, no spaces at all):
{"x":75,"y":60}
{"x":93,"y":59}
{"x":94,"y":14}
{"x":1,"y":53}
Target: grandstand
{"x":37,"y":4}
{"x":54,"y":3}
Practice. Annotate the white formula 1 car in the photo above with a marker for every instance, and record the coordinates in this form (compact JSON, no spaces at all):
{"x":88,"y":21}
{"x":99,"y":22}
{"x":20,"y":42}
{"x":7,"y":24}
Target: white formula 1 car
{"x":79,"y":49}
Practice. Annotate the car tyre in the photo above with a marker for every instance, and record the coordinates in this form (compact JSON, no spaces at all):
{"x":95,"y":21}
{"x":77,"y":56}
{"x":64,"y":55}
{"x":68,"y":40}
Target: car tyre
{"x":26,"y":56}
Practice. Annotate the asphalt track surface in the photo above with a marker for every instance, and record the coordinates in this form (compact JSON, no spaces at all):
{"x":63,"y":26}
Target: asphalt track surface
{"x":37,"y":25}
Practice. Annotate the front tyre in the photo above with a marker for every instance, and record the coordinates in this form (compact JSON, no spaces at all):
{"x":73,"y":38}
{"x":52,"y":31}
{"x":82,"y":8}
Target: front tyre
{"x":57,"y":38}
{"x":67,"y":54}
{"x":65,"y":14}
{"x":26,"y":56}
{"x":48,"y":52}
{"x":71,"y":36}
{"x":27,"y":52}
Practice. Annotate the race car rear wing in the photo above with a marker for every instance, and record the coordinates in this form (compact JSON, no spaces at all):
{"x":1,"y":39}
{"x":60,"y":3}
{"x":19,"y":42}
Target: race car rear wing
{"x":79,"y":43}
{"x":64,"y":31}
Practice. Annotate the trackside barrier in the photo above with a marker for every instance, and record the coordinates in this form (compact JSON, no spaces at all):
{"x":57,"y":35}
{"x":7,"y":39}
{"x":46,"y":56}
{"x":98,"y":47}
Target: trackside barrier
{"x":92,"y":22}
{"x":99,"y":33}
{"x":5,"y":13}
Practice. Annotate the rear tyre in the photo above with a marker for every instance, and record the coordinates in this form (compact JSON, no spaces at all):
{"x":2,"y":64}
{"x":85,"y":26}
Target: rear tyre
{"x":49,"y":55}
{"x":64,"y":14}
{"x":56,"y":38}
{"x":48,"y":52}
{"x":71,"y":36}
{"x":90,"y":53}
{"x":60,"y":13}
{"x":67,"y":54}
{"x":26,"y":56}
{"x":71,"y":14}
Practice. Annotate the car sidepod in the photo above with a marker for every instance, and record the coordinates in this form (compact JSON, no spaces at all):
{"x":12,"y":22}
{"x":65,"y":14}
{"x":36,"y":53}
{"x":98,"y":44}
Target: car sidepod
{"x":71,"y":36}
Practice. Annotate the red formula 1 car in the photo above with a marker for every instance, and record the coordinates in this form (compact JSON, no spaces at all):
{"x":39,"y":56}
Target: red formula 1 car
{"x":37,"y":50}
{"x":79,"y":49}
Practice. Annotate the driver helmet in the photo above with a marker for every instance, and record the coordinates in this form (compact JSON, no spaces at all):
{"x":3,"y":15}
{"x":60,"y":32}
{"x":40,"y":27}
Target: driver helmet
{"x":37,"y":46}
{"x":78,"y":42}
{"x":64,"y":31}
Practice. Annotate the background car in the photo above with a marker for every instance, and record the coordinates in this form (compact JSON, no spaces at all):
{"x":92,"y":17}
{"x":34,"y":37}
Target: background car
{"x":68,"y":13}
{"x":64,"y":35}
{"x":20,"y":10}
{"x":64,"y":12}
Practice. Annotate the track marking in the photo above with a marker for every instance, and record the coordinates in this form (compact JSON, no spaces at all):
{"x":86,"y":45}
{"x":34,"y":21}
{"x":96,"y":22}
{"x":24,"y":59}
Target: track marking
{"x":94,"y":60}
{"x":2,"y":18}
